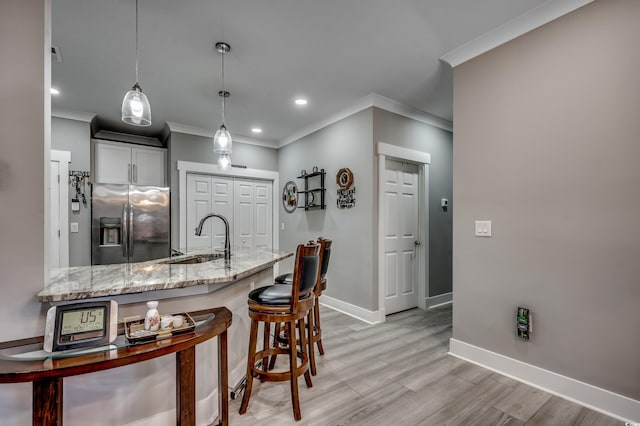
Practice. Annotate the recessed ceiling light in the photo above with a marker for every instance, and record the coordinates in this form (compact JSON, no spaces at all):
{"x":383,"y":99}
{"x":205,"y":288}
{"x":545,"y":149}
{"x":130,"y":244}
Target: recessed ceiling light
{"x":54,"y":91}
{"x":256,"y":130}
{"x":300,"y":101}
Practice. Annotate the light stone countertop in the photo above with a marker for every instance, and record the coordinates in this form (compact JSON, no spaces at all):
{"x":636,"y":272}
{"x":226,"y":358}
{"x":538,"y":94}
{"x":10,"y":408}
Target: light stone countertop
{"x":83,"y":282}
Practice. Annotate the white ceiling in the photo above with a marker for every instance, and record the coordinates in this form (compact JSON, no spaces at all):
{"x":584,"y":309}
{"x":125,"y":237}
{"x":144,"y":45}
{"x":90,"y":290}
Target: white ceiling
{"x":334,"y":52}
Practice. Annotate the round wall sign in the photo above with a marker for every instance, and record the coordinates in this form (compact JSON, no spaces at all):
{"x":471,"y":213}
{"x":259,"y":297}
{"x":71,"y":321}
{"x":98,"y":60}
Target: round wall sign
{"x":290,"y":197}
{"x":344,"y":178}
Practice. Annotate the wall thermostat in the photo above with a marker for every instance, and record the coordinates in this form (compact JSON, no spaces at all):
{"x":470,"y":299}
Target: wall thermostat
{"x":81,"y":325}
{"x":524,"y":323}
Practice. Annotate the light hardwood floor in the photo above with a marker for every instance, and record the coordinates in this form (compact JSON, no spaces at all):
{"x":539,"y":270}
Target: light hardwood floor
{"x":398,"y":373}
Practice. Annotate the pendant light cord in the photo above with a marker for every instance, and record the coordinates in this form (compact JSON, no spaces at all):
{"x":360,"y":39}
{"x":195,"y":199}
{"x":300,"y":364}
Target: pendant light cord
{"x":136,"y":42}
{"x":224,"y":93}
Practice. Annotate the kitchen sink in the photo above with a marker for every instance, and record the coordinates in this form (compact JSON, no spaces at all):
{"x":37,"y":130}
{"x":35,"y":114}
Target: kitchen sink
{"x":191,"y":260}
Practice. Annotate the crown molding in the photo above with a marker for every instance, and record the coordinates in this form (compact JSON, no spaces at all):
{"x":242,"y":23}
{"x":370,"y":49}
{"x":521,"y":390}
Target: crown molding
{"x":524,"y":23}
{"x":73,"y":115}
{"x":371,"y":100}
{"x":207,"y":133}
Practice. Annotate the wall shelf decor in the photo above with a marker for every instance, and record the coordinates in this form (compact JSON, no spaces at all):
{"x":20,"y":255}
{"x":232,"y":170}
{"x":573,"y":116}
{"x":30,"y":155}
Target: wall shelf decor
{"x":346,"y":196}
{"x":314,"y":190}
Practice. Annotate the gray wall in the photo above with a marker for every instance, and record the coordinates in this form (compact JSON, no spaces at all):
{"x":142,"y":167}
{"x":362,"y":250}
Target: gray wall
{"x":22,"y":189}
{"x":22,"y":175}
{"x":75,"y":136}
{"x":346,"y":143}
{"x":186,"y":147}
{"x":546,"y":146}
{"x":395,"y":129}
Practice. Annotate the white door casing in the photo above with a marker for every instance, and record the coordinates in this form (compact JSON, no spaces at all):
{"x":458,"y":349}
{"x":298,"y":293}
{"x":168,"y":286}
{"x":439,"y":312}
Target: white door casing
{"x":59,"y":209}
{"x":422,"y":160}
{"x":401,"y":236}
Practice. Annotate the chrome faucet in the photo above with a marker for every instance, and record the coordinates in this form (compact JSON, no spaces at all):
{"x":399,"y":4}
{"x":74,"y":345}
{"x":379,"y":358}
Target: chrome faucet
{"x":227,"y":244}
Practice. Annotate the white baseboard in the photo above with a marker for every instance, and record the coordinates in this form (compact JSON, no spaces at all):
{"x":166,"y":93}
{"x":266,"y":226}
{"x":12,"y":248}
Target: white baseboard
{"x":439,"y":300}
{"x":595,"y":398}
{"x":371,"y":317}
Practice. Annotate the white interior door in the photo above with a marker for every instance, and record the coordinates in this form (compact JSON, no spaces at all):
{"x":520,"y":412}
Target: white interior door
{"x":253,"y":208}
{"x":401,"y":236}
{"x":263,"y":214}
{"x":222,"y":196}
{"x":244,"y":213}
{"x":208,"y":194}
{"x":58,"y":209}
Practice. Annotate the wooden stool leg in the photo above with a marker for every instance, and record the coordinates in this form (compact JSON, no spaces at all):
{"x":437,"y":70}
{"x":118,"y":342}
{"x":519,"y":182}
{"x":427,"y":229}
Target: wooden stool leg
{"x":311,"y":349}
{"x":316,"y":324}
{"x":276,"y":334}
{"x":293,"y":368}
{"x":303,"y":349}
{"x":253,"y":337}
{"x":265,"y":346}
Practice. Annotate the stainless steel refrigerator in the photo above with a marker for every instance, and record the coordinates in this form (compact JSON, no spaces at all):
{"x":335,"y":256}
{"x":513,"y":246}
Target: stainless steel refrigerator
{"x":129,"y":223}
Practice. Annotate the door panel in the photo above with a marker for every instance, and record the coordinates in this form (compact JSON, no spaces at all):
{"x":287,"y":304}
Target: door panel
{"x":263,"y":214}
{"x":244,"y":220}
{"x":401,"y":233}
{"x":222,"y":196}
{"x":199,"y":204}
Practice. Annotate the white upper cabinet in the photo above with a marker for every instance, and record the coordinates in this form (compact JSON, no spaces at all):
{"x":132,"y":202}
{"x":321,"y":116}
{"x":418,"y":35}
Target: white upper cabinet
{"x":122,"y":163}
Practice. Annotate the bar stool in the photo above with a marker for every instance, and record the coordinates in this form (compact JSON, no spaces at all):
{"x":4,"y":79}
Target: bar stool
{"x":315,"y":337}
{"x":288,"y":304}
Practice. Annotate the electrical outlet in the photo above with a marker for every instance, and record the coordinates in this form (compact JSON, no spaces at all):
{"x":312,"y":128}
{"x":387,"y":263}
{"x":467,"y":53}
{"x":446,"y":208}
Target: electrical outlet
{"x":483,"y":228}
{"x":74,"y":227}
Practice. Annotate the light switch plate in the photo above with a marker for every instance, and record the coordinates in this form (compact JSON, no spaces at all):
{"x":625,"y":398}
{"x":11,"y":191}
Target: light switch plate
{"x":74,"y":227}
{"x":483,"y":228}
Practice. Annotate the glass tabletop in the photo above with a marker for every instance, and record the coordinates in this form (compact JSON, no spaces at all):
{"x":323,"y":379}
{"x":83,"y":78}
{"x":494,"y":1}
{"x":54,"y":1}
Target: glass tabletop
{"x":35,"y":352}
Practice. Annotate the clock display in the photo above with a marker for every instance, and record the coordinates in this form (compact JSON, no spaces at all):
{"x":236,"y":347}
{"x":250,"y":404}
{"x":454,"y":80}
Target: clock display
{"x":82,"y":321}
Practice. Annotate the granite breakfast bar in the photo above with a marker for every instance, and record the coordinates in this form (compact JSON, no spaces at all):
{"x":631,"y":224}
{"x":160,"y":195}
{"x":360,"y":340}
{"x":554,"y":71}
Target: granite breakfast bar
{"x":178,"y":288}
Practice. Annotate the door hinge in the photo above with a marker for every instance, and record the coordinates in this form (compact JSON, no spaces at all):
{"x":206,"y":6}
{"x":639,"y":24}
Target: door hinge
{"x":58,"y":233}
{"x":58,"y":178}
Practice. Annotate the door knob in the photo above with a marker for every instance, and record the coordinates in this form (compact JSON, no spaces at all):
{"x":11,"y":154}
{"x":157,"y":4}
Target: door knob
{"x":416,"y":243}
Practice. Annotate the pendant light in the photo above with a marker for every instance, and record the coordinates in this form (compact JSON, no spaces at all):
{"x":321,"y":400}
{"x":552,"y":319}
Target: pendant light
{"x":222,"y":142}
{"x":135,"y":106}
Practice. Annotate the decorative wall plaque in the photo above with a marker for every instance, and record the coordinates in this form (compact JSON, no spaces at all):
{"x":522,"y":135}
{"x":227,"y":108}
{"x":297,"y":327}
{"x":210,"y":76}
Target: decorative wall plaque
{"x":290,"y":197}
{"x":346,"y":196}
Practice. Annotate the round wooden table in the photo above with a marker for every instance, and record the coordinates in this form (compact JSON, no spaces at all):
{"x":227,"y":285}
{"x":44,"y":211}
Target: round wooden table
{"x":48,"y":373}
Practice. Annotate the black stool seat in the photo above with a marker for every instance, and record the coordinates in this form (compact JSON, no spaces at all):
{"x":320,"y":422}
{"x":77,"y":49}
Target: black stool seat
{"x":284,"y":279}
{"x":275,"y":295}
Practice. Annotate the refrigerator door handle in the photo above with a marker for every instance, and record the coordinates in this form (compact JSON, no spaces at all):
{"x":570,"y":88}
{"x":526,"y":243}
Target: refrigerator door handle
{"x":131,"y":230}
{"x":125,"y":231}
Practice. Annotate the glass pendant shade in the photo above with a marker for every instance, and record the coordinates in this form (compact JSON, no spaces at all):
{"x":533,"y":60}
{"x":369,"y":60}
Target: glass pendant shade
{"x":222,"y":142}
{"x":224,"y":162}
{"x":135,"y":108}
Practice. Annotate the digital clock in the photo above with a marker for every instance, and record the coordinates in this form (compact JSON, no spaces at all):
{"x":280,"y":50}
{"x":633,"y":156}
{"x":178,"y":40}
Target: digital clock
{"x":81,"y":325}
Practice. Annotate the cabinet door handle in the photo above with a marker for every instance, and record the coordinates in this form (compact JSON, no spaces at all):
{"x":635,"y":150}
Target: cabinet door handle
{"x":129,"y":174}
{"x":135,"y":174}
